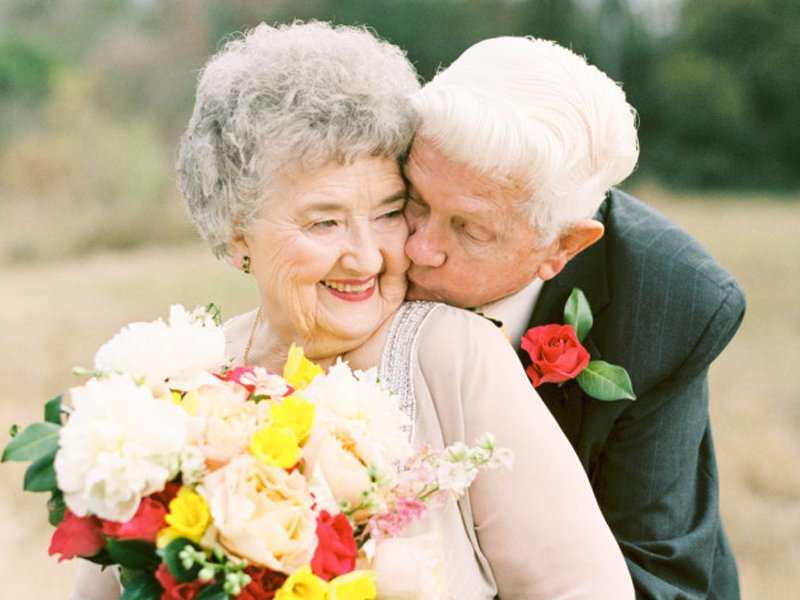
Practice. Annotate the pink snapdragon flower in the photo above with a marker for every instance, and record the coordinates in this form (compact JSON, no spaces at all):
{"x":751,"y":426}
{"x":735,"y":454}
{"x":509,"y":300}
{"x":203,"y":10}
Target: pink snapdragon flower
{"x":391,"y":523}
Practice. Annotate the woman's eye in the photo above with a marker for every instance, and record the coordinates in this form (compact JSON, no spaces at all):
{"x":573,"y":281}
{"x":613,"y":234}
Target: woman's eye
{"x":326,"y":224}
{"x":393,"y":214}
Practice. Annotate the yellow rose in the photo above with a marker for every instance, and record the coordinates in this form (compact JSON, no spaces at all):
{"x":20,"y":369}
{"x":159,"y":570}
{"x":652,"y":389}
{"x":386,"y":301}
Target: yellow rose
{"x":276,"y":446}
{"x":188,"y":517}
{"x":357,"y":585}
{"x":302,"y":585}
{"x":294,"y":413}
{"x":298,"y":370}
{"x":262,"y":513}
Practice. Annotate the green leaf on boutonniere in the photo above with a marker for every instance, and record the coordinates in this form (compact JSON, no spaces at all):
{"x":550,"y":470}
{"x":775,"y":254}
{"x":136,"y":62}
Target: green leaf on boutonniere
{"x":578,"y":313}
{"x":52,"y":411}
{"x":38,"y":440}
{"x":41,"y":476}
{"x":133,"y":554}
{"x":606,"y":382}
{"x":142,"y":586}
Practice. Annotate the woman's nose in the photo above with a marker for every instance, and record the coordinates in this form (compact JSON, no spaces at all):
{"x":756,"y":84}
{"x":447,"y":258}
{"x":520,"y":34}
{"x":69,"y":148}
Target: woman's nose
{"x":423,"y":248}
{"x":363,"y":253}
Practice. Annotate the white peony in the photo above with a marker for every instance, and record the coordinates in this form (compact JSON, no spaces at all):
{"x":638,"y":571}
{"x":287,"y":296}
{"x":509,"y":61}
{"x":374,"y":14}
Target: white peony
{"x":354,"y":403}
{"x":183,"y":350}
{"x":119,"y":445}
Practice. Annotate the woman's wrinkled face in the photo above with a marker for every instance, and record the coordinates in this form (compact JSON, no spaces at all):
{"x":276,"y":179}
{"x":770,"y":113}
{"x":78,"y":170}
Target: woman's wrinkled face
{"x":327,"y":252}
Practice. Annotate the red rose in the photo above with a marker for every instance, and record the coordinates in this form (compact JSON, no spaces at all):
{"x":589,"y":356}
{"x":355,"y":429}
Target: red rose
{"x":336,"y":550}
{"x":556,"y":354}
{"x":173,"y":589}
{"x":263,"y":585}
{"x":168,"y":494}
{"x":144,"y":525}
{"x":236,"y":375}
{"x":76,"y":536}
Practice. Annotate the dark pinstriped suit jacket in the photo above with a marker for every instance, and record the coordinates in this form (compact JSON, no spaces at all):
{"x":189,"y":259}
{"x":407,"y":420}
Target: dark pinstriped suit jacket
{"x":663,"y":309}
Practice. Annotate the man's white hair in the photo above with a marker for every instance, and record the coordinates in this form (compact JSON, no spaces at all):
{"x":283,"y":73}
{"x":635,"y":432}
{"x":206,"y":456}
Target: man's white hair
{"x":532,"y":112}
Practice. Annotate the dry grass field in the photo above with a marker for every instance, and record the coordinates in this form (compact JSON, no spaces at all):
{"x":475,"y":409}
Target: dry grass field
{"x":56,"y":313}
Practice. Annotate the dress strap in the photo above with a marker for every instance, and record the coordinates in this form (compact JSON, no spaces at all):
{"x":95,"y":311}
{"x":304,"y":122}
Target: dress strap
{"x":395,"y":369}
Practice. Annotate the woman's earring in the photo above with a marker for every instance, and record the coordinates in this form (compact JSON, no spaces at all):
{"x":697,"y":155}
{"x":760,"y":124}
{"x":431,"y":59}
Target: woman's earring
{"x":246,"y":264}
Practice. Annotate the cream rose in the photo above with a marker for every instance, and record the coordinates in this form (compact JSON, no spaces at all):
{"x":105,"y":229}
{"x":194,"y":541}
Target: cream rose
{"x":262,"y":513}
{"x":336,"y":457}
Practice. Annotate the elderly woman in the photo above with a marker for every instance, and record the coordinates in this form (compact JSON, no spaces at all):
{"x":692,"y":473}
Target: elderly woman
{"x":290,"y":168}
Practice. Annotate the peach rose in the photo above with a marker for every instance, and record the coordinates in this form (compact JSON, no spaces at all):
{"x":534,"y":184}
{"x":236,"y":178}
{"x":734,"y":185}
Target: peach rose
{"x":262,"y":513}
{"x":223,"y":420}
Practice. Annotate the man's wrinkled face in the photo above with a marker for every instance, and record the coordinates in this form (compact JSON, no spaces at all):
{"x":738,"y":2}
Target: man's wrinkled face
{"x":470,"y":240}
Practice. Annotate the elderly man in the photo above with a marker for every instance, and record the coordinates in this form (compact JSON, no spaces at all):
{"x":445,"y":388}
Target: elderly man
{"x":511,"y":207}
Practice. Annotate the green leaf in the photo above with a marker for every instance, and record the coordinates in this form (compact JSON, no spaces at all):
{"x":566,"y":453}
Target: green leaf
{"x":133,"y":554}
{"x":38,"y":440}
{"x":142,"y":586}
{"x":605,"y":381}
{"x":55,"y":508}
{"x":13,"y":430}
{"x":170,"y":554}
{"x":214,"y":591}
{"x":52,"y":411}
{"x":41,"y":476}
{"x":126,"y":576}
{"x":578,"y":313}
{"x":101,"y":558}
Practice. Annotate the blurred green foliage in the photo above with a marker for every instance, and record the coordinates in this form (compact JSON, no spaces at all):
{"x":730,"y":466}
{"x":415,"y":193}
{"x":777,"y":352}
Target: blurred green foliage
{"x":95,"y":93}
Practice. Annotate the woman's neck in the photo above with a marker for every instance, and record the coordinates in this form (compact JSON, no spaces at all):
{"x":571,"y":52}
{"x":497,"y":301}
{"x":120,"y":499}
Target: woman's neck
{"x":268,"y":348}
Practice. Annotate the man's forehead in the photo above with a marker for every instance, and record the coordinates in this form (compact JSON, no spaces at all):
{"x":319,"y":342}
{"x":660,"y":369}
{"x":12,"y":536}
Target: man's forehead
{"x":426,"y":161}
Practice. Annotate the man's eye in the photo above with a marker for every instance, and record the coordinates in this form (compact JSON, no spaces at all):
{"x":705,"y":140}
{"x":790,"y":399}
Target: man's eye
{"x":392,"y":214}
{"x":477,"y":234}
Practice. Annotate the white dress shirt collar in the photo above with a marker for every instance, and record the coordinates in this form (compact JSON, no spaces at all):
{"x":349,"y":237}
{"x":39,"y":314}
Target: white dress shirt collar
{"x":515,"y":310}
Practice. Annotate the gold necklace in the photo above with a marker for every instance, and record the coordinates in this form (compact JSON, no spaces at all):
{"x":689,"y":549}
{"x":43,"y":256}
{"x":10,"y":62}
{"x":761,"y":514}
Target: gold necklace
{"x":256,"y":321}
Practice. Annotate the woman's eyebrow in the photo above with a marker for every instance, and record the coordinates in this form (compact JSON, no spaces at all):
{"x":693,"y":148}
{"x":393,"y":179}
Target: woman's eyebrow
{"x":322,"y":206}
{"x":398,"y":195}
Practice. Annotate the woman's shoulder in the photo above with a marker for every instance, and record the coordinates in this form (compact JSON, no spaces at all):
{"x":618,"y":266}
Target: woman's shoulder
{"x":237,"y":331}
{"x":452,"y":338}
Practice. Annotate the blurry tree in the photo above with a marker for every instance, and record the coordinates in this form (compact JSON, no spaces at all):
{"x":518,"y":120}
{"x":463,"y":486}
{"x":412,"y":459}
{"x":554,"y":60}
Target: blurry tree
{"x":714,"y":83}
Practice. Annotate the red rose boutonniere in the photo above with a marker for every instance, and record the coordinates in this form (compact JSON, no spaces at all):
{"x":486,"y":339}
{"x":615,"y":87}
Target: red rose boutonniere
{"x":557,"y":355}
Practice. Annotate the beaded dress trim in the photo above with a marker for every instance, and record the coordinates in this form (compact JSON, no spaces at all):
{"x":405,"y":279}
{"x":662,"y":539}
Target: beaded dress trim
{"x":394,"y":371}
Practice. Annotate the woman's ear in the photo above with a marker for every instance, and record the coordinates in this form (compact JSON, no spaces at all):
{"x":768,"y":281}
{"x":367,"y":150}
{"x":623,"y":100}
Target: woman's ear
{"x":238,"y":249}
{"x":570,"y":243}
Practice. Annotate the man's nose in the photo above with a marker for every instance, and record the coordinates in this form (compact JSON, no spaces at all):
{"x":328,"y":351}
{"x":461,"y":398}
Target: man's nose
{"x":424,"y":249}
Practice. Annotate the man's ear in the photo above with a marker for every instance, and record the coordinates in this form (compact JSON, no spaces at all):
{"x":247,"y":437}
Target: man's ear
{"x":569,"y":244}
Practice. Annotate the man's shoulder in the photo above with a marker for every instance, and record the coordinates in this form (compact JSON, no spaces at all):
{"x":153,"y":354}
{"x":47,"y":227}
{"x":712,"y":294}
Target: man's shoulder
{"x":646,"y":250}
{"x":671,"y":301}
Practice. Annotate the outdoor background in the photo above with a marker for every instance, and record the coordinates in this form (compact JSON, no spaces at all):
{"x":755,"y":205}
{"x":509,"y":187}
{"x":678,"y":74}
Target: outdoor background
{"x":95,"y":93}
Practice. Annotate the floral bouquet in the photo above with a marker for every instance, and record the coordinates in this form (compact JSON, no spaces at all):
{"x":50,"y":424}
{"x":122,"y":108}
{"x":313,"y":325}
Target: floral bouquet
{"x":203,"y":480}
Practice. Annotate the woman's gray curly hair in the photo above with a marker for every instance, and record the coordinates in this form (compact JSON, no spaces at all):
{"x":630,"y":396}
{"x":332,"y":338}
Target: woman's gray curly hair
{"x":286,"y":97}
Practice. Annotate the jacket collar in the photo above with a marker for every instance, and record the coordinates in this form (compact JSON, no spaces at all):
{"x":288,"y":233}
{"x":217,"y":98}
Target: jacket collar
{"x":586,"y":271}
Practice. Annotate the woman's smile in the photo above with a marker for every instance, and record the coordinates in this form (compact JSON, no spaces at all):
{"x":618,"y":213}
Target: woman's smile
{"x":351,"y":290}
